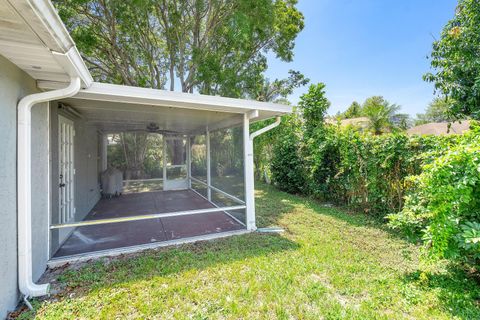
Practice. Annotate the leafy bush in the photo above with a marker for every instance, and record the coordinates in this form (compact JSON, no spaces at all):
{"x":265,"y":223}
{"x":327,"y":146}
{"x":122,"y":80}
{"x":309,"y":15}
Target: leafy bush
{"x":428,"y":186}
{"x":287,"y":165}
{"x":443,"y":202}
{"x":263,"y":149}
{"x":138,"y":155}
{"x":364,"y":171}
{"x":348,"y":167}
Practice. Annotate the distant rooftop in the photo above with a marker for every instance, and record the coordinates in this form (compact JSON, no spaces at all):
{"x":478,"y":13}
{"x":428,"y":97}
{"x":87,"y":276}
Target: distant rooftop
{"x":440,"y":128}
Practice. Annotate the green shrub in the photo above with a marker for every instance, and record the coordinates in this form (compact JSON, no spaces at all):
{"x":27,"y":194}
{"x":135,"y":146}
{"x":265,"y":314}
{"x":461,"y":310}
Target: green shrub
{"x":347,"y":167}
{"x":443,"y":202}
{"x":322,"y":158}
{"x":263,"y":149}
{"x":428,"y":186}
{"x":363,"y":171}
{"x":287,"y":164}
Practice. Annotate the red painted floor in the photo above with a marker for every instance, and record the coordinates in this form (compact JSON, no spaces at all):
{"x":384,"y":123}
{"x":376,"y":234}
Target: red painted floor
{"x":124,"y":234}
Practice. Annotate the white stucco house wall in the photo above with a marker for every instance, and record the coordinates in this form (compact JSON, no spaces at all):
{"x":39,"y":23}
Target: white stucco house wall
{"x":54,"y":120}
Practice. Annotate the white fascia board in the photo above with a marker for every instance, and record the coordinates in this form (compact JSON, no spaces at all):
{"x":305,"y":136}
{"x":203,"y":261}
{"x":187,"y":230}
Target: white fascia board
{"x":73,"y":64}
{"x":146,"y":96}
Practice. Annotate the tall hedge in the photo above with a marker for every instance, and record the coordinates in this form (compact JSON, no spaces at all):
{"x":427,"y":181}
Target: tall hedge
{"x":427,"y":186}
{"x":287,"y":164}
{"x":347,"y":167}
{"x":442,"y":205}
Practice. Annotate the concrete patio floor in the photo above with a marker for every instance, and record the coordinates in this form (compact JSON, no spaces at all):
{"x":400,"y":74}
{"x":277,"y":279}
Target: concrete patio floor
{"x":87,"y":239}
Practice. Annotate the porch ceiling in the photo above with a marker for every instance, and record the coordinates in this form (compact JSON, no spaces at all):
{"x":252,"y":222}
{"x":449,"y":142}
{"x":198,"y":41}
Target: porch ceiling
{"x":110,"y":117}
{"x":114,"y":108}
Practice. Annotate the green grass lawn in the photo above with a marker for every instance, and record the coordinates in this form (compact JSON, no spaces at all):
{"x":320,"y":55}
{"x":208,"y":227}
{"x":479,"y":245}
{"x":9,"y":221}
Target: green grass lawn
{"x":133,"y":186}
{"x":329,"y":264}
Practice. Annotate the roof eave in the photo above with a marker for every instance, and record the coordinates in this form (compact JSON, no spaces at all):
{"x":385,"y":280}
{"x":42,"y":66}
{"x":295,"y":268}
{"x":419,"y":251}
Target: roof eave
{"x":147,"y":96}
{"x":45,"y":23}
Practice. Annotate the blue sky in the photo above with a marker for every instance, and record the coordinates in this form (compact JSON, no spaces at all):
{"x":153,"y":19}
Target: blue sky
{"x":360,"y":48}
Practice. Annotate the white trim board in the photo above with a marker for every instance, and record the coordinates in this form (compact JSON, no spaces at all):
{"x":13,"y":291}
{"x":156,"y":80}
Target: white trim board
{"x":155,"y":97}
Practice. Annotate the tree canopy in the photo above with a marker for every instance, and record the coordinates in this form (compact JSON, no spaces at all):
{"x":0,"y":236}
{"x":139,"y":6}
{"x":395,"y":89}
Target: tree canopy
{"x":382,"y":115}
{"x":213,"y":46}
{"x":313,"y":106}
{"x":455,"y":59}
{"x":354,"y":111}
{"x":437,"y":111}
{"x":279,"y":89}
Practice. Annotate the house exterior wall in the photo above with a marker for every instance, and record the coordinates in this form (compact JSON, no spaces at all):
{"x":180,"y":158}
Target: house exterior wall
{"x":15,"y":84}
{"x":87,"y":191}
{"x":40,"y":186}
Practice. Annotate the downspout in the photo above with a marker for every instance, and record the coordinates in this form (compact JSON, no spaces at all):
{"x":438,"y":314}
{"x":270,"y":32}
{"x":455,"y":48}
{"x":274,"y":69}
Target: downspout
{"x":249,"y":174}
{"x":265,"y":129}
{"x":24,"y":186}
{"x":278,"y":119}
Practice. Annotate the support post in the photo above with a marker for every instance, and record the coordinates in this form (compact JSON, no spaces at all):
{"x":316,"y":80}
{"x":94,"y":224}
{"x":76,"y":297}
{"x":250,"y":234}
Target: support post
{"x":164,"y":157}
{"x":189,"y":162}
{"x":209,"y":170}
{"x":104,"y":154}
{"x":248,"y":167}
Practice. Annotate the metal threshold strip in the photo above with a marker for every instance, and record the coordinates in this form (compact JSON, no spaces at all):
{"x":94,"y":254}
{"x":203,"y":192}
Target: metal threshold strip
{"x":55,"y":262}
{"x":145,"y":217}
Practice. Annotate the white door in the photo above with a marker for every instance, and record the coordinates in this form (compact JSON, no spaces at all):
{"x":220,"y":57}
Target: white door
{"x":175,"y":175}
{"x":66,"y":171}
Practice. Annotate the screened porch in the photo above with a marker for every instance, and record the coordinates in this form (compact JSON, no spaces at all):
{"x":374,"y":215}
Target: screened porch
{"x":134,"y":168}
{"x":182,"y":176}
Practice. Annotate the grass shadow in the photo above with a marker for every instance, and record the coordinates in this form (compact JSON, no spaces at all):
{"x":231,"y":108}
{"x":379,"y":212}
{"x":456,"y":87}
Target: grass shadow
{"x":458,"y":292}
{"x":272,"y":204}
{"x":168,"y":261}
